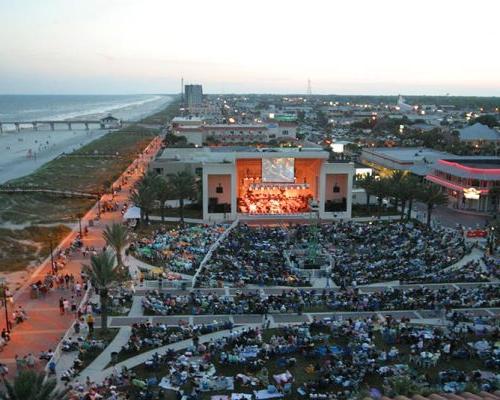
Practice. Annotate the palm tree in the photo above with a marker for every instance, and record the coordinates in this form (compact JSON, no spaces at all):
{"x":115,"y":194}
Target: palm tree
{"x":432,"y":196}
{"x":163,"y":193}
{"x":395,"y":184}
{"x":381,"y":189}
{"x":494,"y":193}
{"x":115,"y":236}
{"x":413,"y":187}
{"x":102,"y":274}
{"x":366,"y":183}
{"x":183,"y":185}
{"x":144,"y":197}
{"x":30,"y":385}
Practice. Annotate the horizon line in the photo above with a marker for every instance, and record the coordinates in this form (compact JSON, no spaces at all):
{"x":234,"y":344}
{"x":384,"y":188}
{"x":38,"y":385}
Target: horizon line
{"x":250,"y":94}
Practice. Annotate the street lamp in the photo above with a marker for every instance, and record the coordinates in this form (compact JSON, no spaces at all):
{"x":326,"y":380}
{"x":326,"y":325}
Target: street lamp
{"x":492,"y":240}
{"x":52,"y":262}
{"x":5,"y":295}
{"x":79,"y":216}
{"x":99,"y":205}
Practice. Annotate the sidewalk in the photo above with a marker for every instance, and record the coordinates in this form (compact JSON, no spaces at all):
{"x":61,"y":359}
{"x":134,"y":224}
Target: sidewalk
{"x":45,"y":326}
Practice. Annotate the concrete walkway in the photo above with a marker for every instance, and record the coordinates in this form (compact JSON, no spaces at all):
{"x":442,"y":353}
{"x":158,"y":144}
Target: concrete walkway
{"x":45,"y":326}
{"x":475,"y":255}
{"x":99,"y":375}
{"x":279,"y":318}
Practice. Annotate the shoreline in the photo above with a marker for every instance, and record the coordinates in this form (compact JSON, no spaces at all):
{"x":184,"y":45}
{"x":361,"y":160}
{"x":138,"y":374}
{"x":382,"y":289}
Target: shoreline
{"x":47,"y":208}
{"x":26,"y":151}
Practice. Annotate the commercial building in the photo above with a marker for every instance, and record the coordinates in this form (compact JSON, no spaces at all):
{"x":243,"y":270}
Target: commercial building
{"x":193,"y":97}
{"x":416,"y":160}
{"x":253,"y":183}
{"x":479,"y":134}
{"x":235,"y":133}
{"x":468,"y":181}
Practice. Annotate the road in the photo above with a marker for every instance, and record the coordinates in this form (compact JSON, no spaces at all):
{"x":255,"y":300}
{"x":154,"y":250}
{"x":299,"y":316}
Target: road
{"x":449,"y":218}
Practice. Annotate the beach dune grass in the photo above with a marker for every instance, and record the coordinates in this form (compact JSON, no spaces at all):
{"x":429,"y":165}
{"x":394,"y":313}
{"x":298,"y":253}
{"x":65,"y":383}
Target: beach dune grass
{"x":92,"y":169}
{"x":94,"y":166}
{"x":29,"y":246}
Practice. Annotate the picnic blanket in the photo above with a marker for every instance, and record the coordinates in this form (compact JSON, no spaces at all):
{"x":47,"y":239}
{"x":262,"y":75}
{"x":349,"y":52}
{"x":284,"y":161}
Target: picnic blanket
{"x":166,"y":384}
{"x":264,"y":394}
{"x":283,"y":378}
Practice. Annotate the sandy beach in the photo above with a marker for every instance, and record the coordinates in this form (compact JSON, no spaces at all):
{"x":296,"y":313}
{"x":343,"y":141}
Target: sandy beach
{"x":45,"y":145}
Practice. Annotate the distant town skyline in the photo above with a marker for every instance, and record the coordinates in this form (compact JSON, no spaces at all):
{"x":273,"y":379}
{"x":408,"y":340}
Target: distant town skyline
{"x":356,"y":47}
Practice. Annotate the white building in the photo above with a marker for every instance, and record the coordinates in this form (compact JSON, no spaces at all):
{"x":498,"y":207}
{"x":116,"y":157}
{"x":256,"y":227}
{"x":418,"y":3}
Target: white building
{"x":252,"y":183}
{"x":236,"y":133}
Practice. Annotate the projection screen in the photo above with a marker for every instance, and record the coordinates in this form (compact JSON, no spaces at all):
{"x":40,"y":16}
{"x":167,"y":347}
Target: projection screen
{"x":278,"y":170}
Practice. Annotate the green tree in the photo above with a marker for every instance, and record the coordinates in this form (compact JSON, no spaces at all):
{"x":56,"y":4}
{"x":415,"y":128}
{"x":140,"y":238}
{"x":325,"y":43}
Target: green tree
{"x":30,"y":385}
{"x":396,"y":187}
{"x":412,"y":188}
{"x":431,"y":195}
{"x":183,"y":185}
{"x":102,"y":275}
{"x":487,"y":119}
{"x":494,"y":193}
{"x":143,"y":196}
{"x":115,"y":236}
{"x":381,"y":189}
{"x":163,"y":192}
{"x":366,"y":182}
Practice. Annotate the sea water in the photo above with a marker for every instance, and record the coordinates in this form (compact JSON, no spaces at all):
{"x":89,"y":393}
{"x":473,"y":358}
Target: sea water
{"x":18,"y":149}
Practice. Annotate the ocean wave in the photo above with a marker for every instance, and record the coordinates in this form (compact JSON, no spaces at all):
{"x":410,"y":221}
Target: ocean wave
{"x":106,"y":108}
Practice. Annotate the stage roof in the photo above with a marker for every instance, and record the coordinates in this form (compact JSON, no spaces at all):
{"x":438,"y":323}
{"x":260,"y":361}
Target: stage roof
{"x":232,"y":153}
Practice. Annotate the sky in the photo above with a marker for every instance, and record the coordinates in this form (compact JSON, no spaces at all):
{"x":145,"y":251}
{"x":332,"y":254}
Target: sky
{"x":430,"y":47}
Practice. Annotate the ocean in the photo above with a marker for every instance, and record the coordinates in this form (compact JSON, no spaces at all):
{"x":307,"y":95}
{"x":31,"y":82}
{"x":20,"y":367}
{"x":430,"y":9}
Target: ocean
{"x":46,"y":144}
{"x":62,"y":107}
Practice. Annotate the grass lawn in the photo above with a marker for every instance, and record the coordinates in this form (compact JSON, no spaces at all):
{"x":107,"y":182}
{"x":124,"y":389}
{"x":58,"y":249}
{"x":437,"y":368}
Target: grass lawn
{"x":125,"y":354}
{"x":299,"y":369}
{"x":29,"y":246}
{"x":90,"y":355}
{"x":147,"y":230}
{"x":359,"y":210}
{"x":175,"y":212}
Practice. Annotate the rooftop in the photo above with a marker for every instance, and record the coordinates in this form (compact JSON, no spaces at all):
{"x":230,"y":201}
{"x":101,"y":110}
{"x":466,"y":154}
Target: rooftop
{"x":408,"y":154}
{"x":230,"y":153}
{"x":484,"y":168}
{"x":478,"y":132}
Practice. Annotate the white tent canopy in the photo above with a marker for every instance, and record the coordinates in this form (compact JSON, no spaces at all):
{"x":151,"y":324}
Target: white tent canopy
{"x":132,"y":213}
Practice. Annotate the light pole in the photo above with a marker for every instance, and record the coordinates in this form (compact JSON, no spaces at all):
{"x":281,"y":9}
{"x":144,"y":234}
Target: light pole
{"x":492,"y":240}
{"x":4,"y":295}
{"x":99,"y":206}
{"x":79,"y":216}
{"x":52,"y":263}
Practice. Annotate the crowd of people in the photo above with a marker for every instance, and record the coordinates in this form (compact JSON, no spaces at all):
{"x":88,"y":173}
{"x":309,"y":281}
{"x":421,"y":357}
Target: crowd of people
{"x":325,"y":359}
{"x":318,"y":300}
{"x":377,"y":252}
{"x":251,"y":256}
{"x":360,"y":254}
{"x":179,"y":249}
{"x":146,"y":336}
